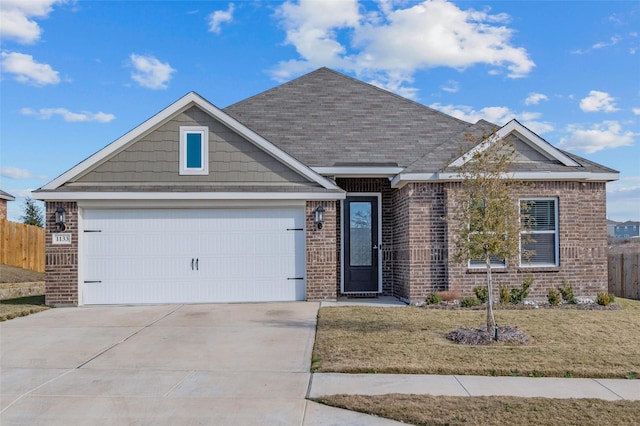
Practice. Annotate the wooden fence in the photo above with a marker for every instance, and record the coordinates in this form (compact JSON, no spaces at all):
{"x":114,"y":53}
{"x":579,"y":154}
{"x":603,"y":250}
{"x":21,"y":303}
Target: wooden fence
{"x":624,"y":275}
{"x":22,"y":245}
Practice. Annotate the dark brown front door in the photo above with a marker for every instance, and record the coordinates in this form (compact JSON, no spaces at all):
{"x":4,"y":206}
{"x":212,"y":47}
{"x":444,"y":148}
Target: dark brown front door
{"x":361,"y":244}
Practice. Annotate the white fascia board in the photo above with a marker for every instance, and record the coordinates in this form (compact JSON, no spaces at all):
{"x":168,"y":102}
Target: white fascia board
{"x":189,"y":99}
{"x":356,"y":171}
{"x":194,"y":204}
{"x":402,"y":179}
{"x":80,"y":196}
{"x":563,"y":176}
{"x":534,"y":140}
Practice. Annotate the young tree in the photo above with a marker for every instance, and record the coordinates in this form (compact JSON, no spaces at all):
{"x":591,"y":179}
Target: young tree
{"x":32,"y":213}
{"x":487,"y":222}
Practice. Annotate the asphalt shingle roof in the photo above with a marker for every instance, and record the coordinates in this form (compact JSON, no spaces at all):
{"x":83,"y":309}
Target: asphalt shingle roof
{"x":326,"y":119}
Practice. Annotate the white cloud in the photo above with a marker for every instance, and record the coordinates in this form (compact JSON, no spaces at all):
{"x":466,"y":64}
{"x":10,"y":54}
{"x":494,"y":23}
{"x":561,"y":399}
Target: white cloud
{"x":535,"y":98}
{"x":636,"y":111}
{"x":84,"y":116}
{"x":390,"y":44}
{"x":150,"y":72}
{"x":219,"y":17}
{"x":18,"y":18}
{"x":27,"y":70}
{"x":496,"y":114}
{"x":623,"y":199}
{"x":612,"y":41}
{"x":452,"y":86}
{"x":16,"y":173}
{"x":605,"y":135}
{"x":598,"y":101}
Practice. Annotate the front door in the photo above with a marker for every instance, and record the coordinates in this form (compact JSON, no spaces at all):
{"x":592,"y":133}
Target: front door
{"x":361,"y":245}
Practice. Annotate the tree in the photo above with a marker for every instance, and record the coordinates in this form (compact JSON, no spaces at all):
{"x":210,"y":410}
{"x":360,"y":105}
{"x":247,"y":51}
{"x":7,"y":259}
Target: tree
{"x":487,"y":223}
{"x":32,"y":213}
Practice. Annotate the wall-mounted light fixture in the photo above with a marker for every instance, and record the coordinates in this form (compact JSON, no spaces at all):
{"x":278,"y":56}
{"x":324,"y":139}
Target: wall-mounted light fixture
{"x":61,"y":218}
{"x":319,"y":219}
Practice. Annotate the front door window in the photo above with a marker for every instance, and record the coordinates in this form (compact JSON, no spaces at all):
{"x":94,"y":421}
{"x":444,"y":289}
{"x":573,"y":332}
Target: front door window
{"x":361,"y":245}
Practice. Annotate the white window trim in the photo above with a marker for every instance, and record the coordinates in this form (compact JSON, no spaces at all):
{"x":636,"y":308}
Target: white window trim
{"x":203,"y":131}
{"x":555,"y":231}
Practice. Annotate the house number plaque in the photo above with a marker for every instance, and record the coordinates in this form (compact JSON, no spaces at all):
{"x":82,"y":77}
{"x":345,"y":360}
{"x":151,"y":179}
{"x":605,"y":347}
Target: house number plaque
{"x":61,"y":238}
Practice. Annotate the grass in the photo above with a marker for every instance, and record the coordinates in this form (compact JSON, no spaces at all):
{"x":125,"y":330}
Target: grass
{"x":13,"y":274}
{"x":14,"y":308}
{"x":566,"y":343}
{"x":468,"y":411}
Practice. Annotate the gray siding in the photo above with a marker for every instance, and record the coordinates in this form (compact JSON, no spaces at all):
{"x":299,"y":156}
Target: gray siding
{"x":154,"y":159}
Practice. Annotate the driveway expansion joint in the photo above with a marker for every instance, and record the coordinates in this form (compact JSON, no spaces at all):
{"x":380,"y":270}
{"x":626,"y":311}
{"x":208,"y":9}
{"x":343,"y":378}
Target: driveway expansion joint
{"x":128,"y":337}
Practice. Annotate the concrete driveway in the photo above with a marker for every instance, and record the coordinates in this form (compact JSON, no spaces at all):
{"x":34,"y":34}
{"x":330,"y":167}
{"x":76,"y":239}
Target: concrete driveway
{"x":237,"y":364}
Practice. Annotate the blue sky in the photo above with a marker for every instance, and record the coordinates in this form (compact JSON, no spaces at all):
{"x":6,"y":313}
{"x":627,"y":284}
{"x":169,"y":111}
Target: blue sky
{"x":76,"y":75}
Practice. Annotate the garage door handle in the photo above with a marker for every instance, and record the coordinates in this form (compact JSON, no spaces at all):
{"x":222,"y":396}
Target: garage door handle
{"x":197,"y":260}
{"x":192,"y":263}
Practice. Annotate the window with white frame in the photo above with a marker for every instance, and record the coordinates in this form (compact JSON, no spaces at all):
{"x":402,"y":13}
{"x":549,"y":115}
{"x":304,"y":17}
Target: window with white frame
{"x":194,"y":150}
{"x":541,"y":246}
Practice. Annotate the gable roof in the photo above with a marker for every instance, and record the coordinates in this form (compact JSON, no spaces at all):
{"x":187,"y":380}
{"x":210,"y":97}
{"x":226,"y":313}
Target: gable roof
{"x":342,"y":126}
{"x":440,"y":164}
{"x":6,"y":196}
{"x":328,"y":120}
{"x":187,"y":101}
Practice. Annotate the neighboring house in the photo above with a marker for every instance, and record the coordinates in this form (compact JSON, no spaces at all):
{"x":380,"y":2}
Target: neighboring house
{"x":199,"y":204}
{"x":611,"y":227}
{"x":627,"y":229}
{"x":4,"y":197}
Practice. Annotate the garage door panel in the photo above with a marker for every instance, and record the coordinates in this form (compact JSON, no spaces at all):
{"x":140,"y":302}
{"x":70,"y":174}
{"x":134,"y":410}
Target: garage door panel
{"x":150,"y":255}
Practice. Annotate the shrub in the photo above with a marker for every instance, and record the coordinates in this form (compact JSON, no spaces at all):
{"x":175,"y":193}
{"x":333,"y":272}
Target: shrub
{"x":449,"y":295}
{"x":553,"y":297}
{"x":481,"y":293}
{"x":567,"y":293}
{"x":470,"y":302}
{"x":603,"y":299}
{"x":505,"y":297}
{"x":433,"y":299}
{"x":519,"y":294}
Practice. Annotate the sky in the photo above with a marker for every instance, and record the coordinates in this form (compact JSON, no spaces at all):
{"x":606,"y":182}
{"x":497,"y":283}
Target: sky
{"x":77,"y":75}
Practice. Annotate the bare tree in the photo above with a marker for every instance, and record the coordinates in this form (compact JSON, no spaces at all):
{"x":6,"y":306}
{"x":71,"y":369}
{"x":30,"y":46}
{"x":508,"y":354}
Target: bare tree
{"x":488,"y":220}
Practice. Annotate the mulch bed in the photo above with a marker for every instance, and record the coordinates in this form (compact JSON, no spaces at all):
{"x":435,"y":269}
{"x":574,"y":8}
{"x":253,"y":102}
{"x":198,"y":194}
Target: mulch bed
{"x":480,"y":336}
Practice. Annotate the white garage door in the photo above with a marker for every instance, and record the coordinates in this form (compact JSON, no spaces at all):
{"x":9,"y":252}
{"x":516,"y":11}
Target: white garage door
{"x":193,"y":256}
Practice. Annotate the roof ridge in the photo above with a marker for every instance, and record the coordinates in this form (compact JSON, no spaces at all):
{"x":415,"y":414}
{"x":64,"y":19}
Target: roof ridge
{"x":355,"y":80}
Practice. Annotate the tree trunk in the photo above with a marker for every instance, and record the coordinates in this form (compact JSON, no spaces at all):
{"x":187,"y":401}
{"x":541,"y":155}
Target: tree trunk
{"x":491,"y":322}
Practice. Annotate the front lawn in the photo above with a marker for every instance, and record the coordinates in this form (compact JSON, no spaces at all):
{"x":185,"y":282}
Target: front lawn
{"x":13,"y":308}
{"x":489,"y":410}
{"x":566,"y":342}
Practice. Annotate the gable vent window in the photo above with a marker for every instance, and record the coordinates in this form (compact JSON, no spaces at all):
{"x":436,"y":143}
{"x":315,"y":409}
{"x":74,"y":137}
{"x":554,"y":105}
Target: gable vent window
{"x":194,"y":150}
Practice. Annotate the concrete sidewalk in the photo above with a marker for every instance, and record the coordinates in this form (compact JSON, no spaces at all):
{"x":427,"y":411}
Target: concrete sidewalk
{"x":527,"y":387}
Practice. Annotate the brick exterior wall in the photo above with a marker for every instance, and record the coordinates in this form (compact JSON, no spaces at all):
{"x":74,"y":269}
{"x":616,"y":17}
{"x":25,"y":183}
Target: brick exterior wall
{"x":61,"y":282}
{"x":582,"y":237}
{"x":420,"y":252}
{"x":322,"y":252}
{"x":3,"y":208}
{"x":374,"y":186}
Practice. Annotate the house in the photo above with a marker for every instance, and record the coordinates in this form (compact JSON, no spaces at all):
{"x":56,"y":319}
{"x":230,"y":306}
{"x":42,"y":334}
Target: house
{"x":322,"y":187}
{"x":611,"y":227}
{"x":4,"y":197}
{"x":627,"y":229}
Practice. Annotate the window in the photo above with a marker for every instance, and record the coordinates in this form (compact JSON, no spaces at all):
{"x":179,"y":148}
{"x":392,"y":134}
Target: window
{"x":194,"y":150}
{"x":543,"y":232}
